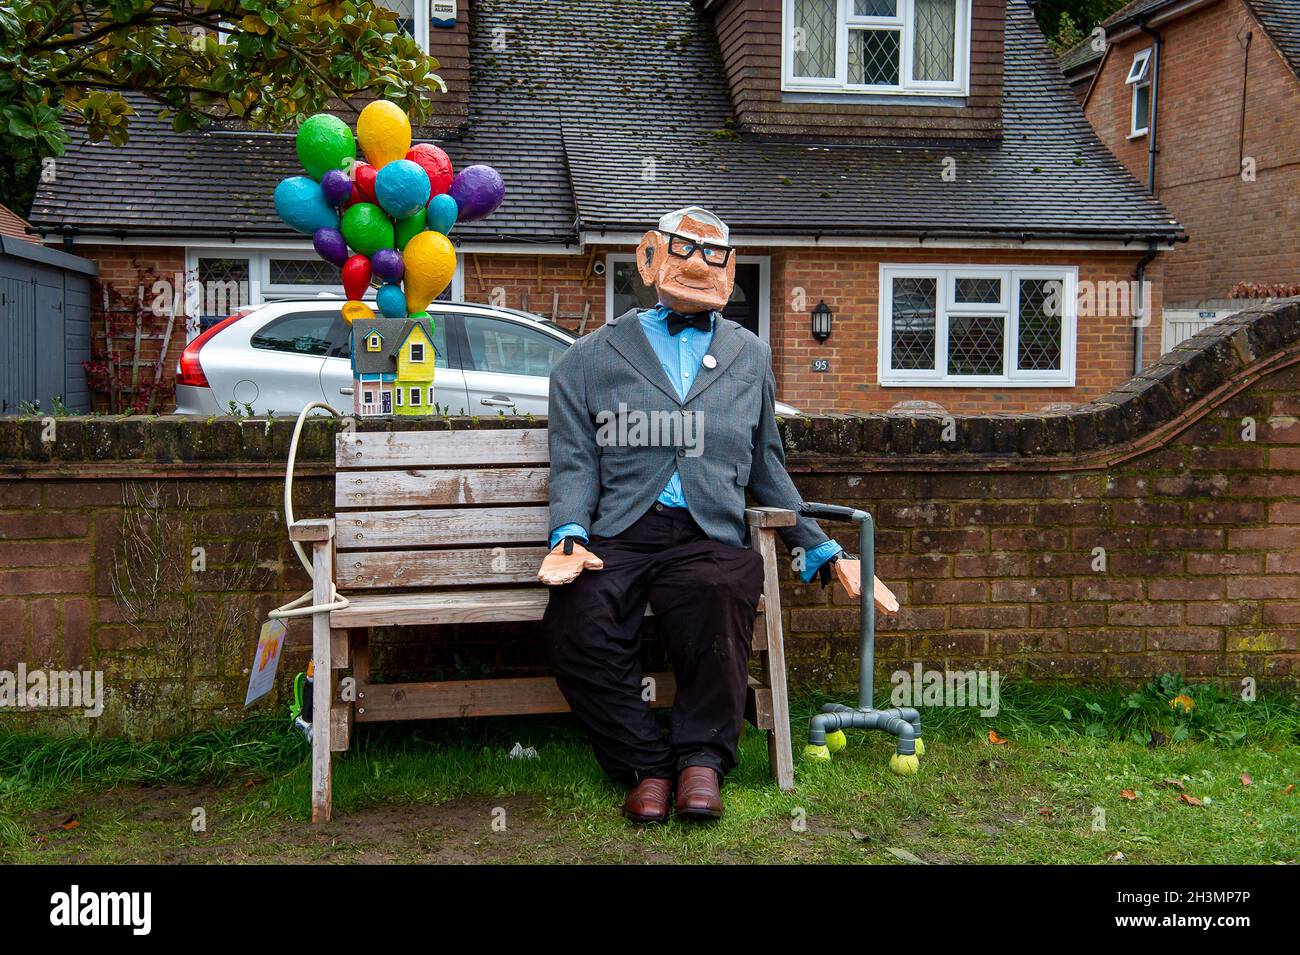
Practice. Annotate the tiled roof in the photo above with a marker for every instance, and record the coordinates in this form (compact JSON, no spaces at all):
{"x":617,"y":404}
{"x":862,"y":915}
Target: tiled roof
{"x":1135,"y":9}
{"x":1281,"y":20}
{"x":1049,"y":177}
{"x":603,"y":113}
{"x":392,"y":333}
{"x":12,"y":224}
{"x":1079,"y":55}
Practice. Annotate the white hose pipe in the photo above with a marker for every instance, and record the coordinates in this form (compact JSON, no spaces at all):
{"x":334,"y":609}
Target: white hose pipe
{"x":294,"y":608}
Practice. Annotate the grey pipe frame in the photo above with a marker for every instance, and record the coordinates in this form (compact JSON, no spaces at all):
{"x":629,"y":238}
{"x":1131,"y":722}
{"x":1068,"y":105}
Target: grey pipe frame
{"x":903,"y":722}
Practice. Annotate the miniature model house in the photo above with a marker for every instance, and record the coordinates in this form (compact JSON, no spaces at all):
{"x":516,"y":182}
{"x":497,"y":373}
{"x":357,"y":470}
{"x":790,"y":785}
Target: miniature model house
{"x":392,"y":366}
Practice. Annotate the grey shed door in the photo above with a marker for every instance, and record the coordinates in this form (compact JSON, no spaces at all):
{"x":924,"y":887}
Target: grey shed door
{"x":18,"y":341}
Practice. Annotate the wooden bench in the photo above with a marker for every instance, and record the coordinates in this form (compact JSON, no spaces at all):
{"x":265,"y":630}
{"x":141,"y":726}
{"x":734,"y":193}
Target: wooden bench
{"x":446,"y":527}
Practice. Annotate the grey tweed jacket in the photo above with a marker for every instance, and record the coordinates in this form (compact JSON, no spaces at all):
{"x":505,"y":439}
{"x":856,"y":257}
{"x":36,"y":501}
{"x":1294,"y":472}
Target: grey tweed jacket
{"x":618,"y":429}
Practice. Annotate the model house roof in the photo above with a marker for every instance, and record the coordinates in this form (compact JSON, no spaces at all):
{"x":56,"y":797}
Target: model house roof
{"x":393,"y":333}
{"x":602,"y":114}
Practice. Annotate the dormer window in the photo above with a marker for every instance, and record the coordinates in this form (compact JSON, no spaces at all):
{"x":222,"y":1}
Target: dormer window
{"x":417,"y":351}
{"x":876,"y":46}
{"x":374,"y":343}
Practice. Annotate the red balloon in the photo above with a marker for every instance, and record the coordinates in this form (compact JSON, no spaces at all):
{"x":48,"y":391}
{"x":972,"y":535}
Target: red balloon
{"x":436,"y":163}
{"x":356,"y":277}
{"x":363,"y":182}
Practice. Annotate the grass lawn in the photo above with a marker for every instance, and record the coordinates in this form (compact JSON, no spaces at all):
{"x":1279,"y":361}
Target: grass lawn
{"x":1077,"y":780}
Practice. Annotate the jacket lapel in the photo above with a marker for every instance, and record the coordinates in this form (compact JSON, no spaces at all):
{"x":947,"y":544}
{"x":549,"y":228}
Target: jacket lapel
{"x":725,"y":346}
{"x":629,"y":341}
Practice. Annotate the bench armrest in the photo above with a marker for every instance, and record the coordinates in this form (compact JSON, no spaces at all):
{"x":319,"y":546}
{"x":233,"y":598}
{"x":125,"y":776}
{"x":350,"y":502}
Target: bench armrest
{"x":314,"y":530}
{"x":769,"y":517}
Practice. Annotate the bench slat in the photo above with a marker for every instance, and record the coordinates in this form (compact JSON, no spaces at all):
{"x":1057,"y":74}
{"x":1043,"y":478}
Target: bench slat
{"x":419,"y":449}
{"x":439,"y":568}
{"x":381,"y":702}
{"x":451,"y":606}
{"x":441,"y":487}
{"x":434,"y":528}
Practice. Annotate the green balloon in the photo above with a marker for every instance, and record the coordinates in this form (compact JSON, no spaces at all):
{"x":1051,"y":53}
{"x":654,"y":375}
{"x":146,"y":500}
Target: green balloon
{"x":325,"y":142}
{"x":408,"y":227}
{"x":367,"y":228}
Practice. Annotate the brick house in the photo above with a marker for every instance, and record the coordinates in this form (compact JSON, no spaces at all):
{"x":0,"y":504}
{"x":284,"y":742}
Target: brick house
{"x":1199,"y":98}
{"x":920,"y":166}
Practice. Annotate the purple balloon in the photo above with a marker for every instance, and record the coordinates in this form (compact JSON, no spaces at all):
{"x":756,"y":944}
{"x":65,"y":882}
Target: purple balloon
{"x":336,"y":186}
{"x":387,"y":264}
{"x":478,"y":190}
{"x":330,"y":245}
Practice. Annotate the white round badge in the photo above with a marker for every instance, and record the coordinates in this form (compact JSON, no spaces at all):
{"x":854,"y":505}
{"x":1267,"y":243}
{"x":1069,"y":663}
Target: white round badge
{"x":710,"y":361}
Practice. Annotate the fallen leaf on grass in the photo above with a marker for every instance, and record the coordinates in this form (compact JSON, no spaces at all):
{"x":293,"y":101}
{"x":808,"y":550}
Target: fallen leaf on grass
{"x":69,"y":823}
{"x":1115,"y":856}
{"x":1288,"y":790}
{"x":1245,"y":779}
{"x":1190,"y":800}
{"x":1169,"y":784}
{"x":905,"y":856}
{"x":1128,"y":794}
{"x":995,"y":739}
{"x":1044,"y":811}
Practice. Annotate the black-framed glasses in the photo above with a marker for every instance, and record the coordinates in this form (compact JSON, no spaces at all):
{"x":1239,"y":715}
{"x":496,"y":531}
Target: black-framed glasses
{"x":684,"y":247}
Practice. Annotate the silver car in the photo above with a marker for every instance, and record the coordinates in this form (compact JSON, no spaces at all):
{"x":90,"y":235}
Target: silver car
{"x":280,"y":357}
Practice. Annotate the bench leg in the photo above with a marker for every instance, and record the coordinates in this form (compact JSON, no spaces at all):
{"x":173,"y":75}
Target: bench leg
{"x":322,"y":689}
{"x":780,"y":755}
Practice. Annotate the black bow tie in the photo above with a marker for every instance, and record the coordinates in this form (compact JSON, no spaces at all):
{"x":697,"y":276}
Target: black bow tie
{"x":677,"y":321}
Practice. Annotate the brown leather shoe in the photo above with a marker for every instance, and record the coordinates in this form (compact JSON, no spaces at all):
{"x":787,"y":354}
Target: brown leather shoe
{"x":697,"y":793}
{"x":647,"y":801}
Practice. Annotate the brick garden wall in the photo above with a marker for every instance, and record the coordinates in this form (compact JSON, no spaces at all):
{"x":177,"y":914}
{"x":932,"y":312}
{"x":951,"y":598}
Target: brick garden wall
{"x":1187,"y":479}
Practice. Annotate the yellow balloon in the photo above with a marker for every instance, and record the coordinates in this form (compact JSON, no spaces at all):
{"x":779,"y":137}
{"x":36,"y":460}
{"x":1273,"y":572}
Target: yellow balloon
{"x":430,"y":263}
{"x":384,"y":133}
{"x":354,"y":310}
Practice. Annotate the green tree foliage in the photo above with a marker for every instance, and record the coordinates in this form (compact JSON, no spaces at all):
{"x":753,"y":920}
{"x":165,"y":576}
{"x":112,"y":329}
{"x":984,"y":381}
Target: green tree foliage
{"x":1066,"y":22}
{"x":67,"y":63}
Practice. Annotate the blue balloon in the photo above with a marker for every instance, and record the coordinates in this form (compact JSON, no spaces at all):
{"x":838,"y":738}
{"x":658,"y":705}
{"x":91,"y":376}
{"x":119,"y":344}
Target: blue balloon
{"x":300,"y":202}
{"x":442,"y":214}
{"x":391,"y":300}
{"x":402,"y":188}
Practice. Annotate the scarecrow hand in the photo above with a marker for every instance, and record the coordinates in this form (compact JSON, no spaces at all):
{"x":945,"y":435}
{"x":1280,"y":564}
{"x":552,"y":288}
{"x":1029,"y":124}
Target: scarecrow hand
{"x":561,"y":568}
{"x":849,"y":573}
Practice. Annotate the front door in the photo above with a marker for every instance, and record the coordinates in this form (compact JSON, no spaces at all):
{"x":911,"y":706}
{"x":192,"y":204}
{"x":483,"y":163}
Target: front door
{"x":743,"y":305}
{"x":387,"y":402}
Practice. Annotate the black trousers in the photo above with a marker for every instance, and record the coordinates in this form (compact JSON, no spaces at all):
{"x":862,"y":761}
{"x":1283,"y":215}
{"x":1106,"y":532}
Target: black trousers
{"x":705,"y":596}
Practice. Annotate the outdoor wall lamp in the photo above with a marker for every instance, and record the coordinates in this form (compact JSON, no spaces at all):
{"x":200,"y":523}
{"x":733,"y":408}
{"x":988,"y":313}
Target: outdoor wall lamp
{"x":822,"y":318}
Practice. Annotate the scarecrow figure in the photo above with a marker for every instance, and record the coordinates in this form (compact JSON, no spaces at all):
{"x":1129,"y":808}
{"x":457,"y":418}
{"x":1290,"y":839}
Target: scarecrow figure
{"x":659,"y":423}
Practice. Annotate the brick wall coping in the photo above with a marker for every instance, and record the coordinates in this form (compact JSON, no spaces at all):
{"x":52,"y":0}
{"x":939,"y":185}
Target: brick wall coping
{"x":1162,"y":400}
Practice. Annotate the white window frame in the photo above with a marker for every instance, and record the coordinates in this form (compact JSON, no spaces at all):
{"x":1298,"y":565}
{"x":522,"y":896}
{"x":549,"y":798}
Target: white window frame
{"x":1009,"y":307}
{"x":415,"y":396}
{"x":397,"y":397}
{"x":845,"y":20}
{"x":763,"y":262}
{"x":414,"y":346}
{"x":1139,"y":77}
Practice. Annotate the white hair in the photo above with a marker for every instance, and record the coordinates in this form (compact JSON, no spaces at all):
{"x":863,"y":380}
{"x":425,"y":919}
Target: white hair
{"x":672,"y":222}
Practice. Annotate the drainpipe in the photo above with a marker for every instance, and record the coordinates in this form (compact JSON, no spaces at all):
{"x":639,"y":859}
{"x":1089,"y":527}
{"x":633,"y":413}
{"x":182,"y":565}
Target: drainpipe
{"x":1139,"y":326}
{"x":1155,"y":99}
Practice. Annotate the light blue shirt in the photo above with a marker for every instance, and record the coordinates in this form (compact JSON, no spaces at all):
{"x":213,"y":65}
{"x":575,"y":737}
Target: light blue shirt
{"x":680,"y":356}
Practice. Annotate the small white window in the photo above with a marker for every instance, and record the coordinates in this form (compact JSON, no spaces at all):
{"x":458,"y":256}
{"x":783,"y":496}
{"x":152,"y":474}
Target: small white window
{"x":417,"y":351}
{"x":398,"y":393}
{"x":1139,"y":77}
{"x":1140,"y":68}
{"x":431,"y":396}
{"x":415,"y":397}
{"x":976,"y":325}
{"x":368,"y":397}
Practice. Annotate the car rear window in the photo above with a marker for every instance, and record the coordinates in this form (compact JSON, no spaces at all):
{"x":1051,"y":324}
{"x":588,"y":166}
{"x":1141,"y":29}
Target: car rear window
{"x":302,"y":333}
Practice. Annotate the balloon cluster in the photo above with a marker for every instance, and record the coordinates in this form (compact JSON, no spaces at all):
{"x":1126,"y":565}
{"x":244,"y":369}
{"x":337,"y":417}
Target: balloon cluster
{"x":383,"y":221}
